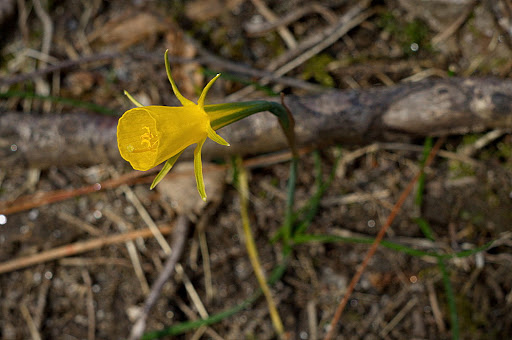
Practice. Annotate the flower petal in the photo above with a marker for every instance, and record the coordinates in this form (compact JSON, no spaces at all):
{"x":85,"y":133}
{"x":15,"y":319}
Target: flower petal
{"x":215,"y":137}
{"x":198,"y":169}
{"x":167,"y":167}
{"x":133,"y":100}
{"x":184,"y":101}
{"x":200,"y":102}
{"x":150,"y":135}
{"x":138,"y":138}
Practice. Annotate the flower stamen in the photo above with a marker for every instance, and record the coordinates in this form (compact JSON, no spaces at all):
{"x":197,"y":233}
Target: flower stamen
{"x":148,"y":138}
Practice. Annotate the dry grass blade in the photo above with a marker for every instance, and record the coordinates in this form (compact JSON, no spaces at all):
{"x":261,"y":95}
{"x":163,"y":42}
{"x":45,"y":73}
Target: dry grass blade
{"x":260,"y":29}
{"x":177,"y":246}
{"x":76,"y":248}
{"x":130,"y":246}
{"x":271,"y":17}
{"x":43,"y":198}
{"x":253,"y":253}
{"x":30,"y":322}
{"x":90,"y":306}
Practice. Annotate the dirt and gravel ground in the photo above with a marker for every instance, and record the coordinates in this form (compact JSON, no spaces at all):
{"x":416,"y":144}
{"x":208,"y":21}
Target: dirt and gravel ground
{"x":96,"y":294}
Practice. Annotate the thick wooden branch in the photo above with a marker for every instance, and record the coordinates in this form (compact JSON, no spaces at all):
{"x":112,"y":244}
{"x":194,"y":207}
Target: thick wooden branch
{"x":409,"y":110}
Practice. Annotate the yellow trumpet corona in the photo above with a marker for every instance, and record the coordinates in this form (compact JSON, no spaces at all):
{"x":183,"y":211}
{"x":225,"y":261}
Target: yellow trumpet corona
{"x":150,"y":135}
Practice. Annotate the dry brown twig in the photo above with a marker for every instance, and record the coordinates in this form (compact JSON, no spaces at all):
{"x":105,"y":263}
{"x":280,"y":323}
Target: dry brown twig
{"x":42,"y":299}
{"x":34,"y":332}
{"x":258,"y":29}
{"x":206,"y":58}
{"x":130,"y":246}
{"x":284,"y":32}
{"x":39,"y":199}
{"x":438,"y":315}
{"x":91,"y":329}
{"x":43,"y":198}
{"x":41,"y":86}
{"x":76,"y":248}
{"x":449,"y":31}
{"x":311,"y":46}
{"x":398,"y":317}
{"x":402,"y":112}
{"x":178,"y":243}
{"x":192,"y":315}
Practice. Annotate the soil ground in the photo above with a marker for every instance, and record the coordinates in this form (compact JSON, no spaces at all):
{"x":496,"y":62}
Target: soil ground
{"x":98,"y":293}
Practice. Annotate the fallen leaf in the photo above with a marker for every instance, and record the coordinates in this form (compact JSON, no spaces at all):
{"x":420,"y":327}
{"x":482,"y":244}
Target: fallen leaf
{"x":179,"y":188}
{"x":202,"y":10}
{"x":129,"y":29}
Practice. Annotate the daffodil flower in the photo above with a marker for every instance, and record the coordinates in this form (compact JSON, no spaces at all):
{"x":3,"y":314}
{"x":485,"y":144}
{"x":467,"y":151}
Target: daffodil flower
{"x":150,"y":135}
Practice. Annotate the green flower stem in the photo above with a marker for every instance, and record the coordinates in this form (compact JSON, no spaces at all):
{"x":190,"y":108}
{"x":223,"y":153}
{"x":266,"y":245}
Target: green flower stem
{"x":228,"y":113}
{"x":289,"y":213}
{"x":224,"y":114}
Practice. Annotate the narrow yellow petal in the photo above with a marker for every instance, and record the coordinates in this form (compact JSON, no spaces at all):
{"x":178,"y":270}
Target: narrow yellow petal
{"x":167,"y":167}
{"x":198,"y":169}
{"x":184,"y":101}
{"x":133,"y":100}
{"x":200,"y":102}
{"x":215,"y":137}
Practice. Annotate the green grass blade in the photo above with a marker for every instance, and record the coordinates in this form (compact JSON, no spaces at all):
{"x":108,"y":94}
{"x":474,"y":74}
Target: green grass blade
{"x":450,"y":296}
{"x":311,"y":208}
{"x":421,"y":181}
{"x":313,"y":204}
{"x":466,"y":253}
{"x":425,"y":228}
{"x":307,"y":213}
{"x":307,"y":238}
{"x":181,"y":328}
{"x":60,"y":100}
{"x":290,"y":201}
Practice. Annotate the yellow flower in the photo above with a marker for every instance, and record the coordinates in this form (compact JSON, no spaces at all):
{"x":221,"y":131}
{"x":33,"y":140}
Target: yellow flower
{"x":150,"y":135}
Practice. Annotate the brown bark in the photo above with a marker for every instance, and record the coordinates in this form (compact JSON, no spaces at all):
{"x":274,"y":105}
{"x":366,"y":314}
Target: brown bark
{"x":402,"y":112}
